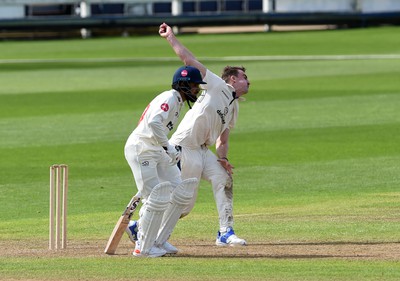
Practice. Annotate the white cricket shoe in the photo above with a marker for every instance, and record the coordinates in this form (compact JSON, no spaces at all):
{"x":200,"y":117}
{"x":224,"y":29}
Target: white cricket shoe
{"x":229,"y":239}
{"x":154,"y":252}
{"x":169,"y":248}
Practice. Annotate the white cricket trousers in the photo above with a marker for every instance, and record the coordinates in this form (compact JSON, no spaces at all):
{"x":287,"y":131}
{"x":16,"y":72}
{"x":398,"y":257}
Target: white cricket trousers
{"x":201,"y":163}
{"x":150,"y":166}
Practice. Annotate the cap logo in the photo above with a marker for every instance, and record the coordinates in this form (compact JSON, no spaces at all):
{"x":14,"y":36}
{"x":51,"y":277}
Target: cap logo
{"x":184,"y":73}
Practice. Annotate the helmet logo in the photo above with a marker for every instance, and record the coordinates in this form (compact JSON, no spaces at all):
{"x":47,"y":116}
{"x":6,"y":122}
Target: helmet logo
{"x":164,"y":107}
{"x":184,"y":73}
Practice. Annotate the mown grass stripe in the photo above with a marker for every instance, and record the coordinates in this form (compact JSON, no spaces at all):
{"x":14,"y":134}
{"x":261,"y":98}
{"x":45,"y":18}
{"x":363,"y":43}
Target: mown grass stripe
{"x":223,"y":59}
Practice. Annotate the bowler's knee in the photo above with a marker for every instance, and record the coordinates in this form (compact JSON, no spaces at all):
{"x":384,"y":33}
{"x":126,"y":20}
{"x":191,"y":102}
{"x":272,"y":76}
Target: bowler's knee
{"x":222,"y":182}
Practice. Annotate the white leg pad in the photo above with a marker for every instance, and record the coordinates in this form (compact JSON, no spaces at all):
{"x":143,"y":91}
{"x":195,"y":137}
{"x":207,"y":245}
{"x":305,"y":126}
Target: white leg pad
{"x":151,"y":217}
{"x":181,"y":197}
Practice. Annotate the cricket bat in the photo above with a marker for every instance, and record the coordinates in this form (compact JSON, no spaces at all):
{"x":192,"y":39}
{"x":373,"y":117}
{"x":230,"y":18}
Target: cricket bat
{"x":121,"y":225}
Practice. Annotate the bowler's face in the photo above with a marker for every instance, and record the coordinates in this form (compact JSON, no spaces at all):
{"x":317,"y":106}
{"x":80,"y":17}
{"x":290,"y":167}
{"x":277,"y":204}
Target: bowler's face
{"x":241,"y":83}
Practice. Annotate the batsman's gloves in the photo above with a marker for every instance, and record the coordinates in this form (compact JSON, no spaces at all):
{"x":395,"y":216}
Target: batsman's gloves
{"x":174,"y":152}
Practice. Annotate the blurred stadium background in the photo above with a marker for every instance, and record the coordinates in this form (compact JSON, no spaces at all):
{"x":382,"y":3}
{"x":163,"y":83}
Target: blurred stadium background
{"x":21,"y":19}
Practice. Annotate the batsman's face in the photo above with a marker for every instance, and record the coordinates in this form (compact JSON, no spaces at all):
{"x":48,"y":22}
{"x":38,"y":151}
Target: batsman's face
{"x":195,"y":88}
{"x":241,"y":83}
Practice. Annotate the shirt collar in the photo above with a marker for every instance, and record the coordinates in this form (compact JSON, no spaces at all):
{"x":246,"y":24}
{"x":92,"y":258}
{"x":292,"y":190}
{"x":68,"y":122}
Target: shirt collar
{"x":232,"y":89}
{"x":178,"y":96}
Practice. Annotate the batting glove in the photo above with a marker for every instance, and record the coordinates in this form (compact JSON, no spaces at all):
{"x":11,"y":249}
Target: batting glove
{"x":174,"y":152}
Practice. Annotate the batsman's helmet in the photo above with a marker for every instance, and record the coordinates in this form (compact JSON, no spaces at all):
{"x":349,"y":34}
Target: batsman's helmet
{"x":187,"y":74}
{"x":182,"y":79}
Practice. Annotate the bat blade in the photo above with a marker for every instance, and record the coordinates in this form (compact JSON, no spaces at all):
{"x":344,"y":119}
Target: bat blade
{"x":120,"y":227}
{"x":116,"y":236}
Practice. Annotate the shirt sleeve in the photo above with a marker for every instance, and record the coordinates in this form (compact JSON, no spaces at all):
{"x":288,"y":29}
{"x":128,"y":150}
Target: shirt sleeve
{"x":212,"y":80}
{"x":159,"y":119}
{"x":156,"y":125}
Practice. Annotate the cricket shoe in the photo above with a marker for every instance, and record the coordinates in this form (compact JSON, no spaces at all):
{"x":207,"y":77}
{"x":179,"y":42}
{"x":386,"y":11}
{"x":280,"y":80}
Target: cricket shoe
{"x":229,"y":239}
{"x":169,"y":248}
{"x":132,"y":231}
{"x":154,"y":252}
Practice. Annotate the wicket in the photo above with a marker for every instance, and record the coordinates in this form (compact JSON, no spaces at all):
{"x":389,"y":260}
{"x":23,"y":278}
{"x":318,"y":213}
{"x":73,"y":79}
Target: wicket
{"x":58,"y":206}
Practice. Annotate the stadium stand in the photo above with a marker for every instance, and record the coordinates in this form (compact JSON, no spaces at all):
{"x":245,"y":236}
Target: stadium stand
{"x":64,"y":18}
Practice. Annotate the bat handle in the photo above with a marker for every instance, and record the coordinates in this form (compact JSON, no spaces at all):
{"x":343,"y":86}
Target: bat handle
{"x":138,"y":195}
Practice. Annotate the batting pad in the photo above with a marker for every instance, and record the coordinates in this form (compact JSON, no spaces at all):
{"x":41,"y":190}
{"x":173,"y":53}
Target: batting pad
{"x":181,"y":197}
{"x":150,"y":221}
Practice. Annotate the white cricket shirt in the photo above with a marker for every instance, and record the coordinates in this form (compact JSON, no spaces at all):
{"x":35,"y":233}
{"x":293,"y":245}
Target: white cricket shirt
{"x":158,"y":119}
{"x":213,"y":112}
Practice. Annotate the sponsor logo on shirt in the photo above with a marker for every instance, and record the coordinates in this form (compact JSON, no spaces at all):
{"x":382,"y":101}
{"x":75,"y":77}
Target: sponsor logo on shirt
{"x":170,"y":126}
{"x":145,"y":163}
{"x":222,"y":114}
{"x":165,"y":107}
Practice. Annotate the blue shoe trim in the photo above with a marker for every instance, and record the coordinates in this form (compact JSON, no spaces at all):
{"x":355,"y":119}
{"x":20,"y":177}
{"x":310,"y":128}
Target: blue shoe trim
{"x":224,"y":238}
{"x":134,"y":230}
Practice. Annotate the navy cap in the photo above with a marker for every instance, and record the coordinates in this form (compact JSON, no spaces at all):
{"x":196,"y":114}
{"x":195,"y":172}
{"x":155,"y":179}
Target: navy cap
{"x":189,"y":74}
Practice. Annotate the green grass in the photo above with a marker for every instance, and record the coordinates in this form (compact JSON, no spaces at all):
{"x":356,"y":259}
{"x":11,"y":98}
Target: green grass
{"x":316,"y":151}
{"x":364,"y":41}
{"x":185,"y":269}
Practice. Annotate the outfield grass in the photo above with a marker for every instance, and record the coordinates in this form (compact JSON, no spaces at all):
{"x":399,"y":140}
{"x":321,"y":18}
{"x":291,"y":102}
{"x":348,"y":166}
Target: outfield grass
{"x":316,"y":151}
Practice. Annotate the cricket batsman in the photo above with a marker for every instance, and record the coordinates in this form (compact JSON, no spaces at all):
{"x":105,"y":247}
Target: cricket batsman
{"x":153,"y":160}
